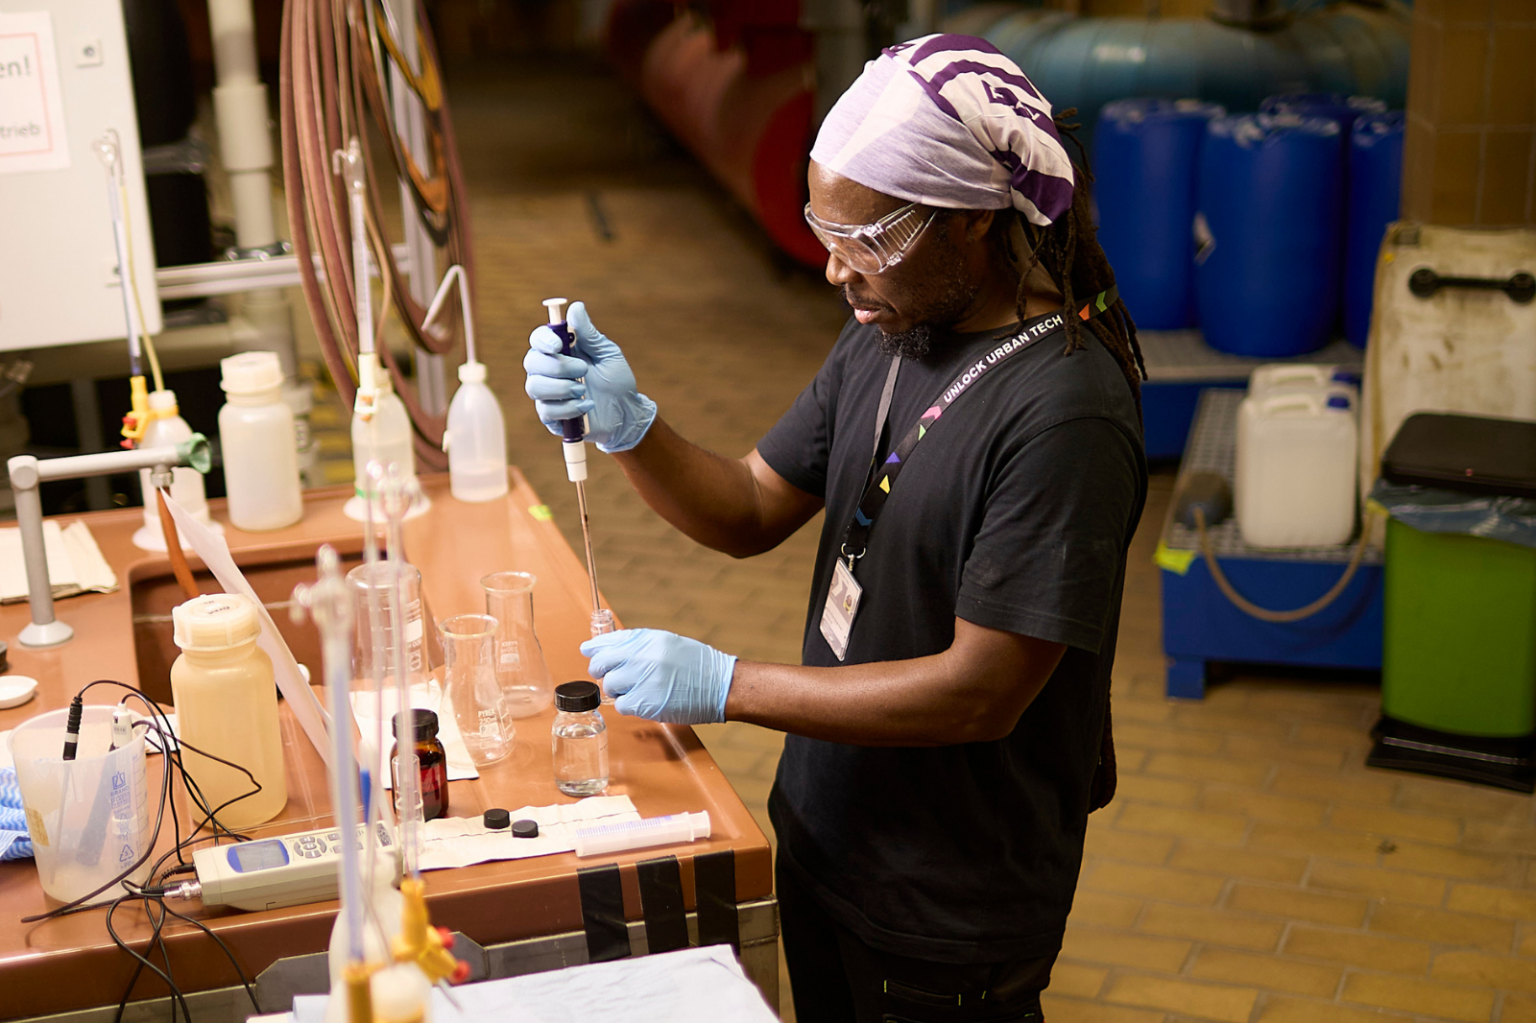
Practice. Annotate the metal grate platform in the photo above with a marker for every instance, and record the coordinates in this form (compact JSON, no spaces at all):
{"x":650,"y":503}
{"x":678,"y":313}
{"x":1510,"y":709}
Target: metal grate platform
{"x":1212,"y":447}
{"x":1182,"y":356}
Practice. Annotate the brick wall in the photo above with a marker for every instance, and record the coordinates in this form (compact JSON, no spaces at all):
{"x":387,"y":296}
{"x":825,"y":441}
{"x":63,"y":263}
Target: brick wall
{"x":1469,"y":155}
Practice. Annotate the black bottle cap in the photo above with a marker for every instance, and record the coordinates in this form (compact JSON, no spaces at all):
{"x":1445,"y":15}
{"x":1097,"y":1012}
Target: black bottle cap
{"x":496,"y":818}
{"x":578,"y":696}
{"x":423,"y":724}
{"x":525,"y":828}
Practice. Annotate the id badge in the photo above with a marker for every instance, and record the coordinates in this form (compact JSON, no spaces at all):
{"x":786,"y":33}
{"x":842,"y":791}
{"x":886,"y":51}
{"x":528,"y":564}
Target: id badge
{"x":842,"y":604}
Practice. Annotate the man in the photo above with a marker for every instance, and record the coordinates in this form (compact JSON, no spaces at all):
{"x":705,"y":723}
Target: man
{"x":974,"y":437}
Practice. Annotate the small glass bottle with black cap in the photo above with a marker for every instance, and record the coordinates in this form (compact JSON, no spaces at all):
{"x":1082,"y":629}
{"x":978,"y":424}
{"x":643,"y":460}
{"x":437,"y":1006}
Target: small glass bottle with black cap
{"x":432,"y":761}
{"x":579,"y":739}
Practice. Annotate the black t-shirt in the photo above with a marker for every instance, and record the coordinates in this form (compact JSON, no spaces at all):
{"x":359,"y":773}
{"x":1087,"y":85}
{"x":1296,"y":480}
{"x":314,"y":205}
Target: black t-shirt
{"x":1013,"y":512}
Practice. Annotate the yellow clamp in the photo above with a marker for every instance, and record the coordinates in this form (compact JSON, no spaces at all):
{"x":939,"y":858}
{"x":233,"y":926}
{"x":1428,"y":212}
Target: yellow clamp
{"x":420,"y":943}
{"x":138,"y":417}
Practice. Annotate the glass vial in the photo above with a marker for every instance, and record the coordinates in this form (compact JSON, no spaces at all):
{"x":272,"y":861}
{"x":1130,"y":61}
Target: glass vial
{"x":524,"y":678}
{"x":432,"y":763}
{"x":479,"y":709}
{"x":579,"y":740}
{"x":602,"y":622}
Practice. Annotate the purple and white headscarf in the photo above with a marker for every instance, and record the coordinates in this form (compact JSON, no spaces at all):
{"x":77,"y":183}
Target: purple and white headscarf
{"x":947,"y":120}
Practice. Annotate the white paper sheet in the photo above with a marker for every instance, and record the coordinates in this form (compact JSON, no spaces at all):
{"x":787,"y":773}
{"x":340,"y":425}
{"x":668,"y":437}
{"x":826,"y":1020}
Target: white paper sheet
{"x":460,"y":841}
{"x":691,"y":985}
{"x":34,"y":137}
{"x":211,"y":547}
{"x":460,"y":765}
{"x":75,"y":564}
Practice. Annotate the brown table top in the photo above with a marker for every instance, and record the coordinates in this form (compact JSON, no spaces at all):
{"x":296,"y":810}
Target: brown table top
{"x":71,"y":962}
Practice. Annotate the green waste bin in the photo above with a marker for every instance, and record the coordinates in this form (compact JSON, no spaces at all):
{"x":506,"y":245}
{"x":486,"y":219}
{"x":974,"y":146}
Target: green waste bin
{"x":1458,"y":660}
{"x":1459,"y":648}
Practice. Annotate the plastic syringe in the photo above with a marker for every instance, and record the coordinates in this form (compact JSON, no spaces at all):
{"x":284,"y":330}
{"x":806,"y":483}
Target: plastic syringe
{"x":641,"y":834}
{"x":573,"y":434}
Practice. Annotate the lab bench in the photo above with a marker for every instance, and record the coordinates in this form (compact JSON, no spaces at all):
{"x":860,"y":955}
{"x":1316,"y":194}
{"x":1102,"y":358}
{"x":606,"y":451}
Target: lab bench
{"x":513,"y":917}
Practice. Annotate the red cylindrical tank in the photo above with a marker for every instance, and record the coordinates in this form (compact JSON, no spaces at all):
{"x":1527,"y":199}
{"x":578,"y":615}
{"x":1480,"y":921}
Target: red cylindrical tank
{"x":744,"y":109}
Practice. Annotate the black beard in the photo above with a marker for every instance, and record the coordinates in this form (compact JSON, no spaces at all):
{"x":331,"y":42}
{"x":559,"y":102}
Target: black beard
{"x":914,"y":344}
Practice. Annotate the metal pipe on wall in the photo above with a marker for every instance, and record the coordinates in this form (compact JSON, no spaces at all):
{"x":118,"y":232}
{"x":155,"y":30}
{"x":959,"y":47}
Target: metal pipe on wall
{"x":245,"y":145}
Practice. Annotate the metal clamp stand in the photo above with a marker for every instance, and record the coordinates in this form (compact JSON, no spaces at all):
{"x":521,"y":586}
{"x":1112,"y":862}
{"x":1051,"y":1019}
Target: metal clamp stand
{"x":27,"y":472}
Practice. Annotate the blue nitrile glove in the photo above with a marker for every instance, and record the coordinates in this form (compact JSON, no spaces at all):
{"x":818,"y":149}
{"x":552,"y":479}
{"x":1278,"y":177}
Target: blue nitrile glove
{"x":617,"y":414}
{"x":661,"y":675}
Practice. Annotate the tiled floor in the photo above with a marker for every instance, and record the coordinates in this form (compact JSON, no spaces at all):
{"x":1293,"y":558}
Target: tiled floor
{"x":1251,"y":869}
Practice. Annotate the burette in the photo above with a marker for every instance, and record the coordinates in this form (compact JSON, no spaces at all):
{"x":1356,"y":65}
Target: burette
{"x":330,"y":605}
{"x":573,"y":435}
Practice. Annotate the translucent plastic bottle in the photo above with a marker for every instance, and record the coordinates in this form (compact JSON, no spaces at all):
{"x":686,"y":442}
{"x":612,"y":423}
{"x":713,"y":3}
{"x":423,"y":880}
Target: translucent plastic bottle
{"x":256,"y":434}
{"x":476,"y":439}
{"x":169,"y":428}
{"x":579,"y":740}
{"x":385,"y":438}
{"x":226,"y":704}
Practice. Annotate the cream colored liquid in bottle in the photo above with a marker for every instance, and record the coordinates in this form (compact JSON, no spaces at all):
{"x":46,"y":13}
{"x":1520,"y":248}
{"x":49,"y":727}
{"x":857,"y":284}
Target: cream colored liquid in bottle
{"x":226,"y":703}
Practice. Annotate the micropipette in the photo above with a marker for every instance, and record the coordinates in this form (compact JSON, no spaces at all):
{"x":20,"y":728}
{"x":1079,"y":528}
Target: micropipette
{"x":573,"y":435}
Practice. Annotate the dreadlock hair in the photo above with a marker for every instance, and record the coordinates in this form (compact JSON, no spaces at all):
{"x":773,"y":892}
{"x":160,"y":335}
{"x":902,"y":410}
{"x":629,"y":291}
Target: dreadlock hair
{"x":1070,"y":253}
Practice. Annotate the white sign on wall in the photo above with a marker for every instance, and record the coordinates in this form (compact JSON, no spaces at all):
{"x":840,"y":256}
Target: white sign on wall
{"x":32,"y":134}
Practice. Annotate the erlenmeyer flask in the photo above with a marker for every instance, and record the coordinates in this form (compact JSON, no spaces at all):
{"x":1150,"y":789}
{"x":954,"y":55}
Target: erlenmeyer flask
{"x":520,"y":669}
{"x":479,"y":708}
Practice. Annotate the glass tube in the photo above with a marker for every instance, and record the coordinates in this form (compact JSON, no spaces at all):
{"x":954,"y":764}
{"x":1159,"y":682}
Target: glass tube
{"x":520,"y":667}
{"x":479,"y":707}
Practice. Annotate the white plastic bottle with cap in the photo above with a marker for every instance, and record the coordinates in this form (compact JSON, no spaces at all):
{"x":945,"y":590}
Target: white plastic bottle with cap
{"x":476,"y":439}
{"x":256,"y":434}
{"x":385,"y":437}
{"x":226,"y":704}
{"x":166,"y":428}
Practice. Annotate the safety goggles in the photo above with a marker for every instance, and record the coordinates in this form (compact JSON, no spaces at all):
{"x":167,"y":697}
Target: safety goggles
{"x":872,"y":248}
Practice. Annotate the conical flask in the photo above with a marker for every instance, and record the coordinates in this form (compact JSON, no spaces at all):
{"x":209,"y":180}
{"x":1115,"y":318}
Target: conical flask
{"x":520,"y":669}
{"x":479,"y":706}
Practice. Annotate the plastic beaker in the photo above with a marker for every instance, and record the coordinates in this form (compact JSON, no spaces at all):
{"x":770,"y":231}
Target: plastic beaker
{"x":479,"y":708}
{"x":88,"y":817}
{"x":520,"y":669}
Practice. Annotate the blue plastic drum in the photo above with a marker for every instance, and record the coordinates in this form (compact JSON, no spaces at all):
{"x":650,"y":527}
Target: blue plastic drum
{"x":1146,"y":153}
{"x":1344,"y":109}
{"x":1375,"y":189}
{"x":1268,"y":233}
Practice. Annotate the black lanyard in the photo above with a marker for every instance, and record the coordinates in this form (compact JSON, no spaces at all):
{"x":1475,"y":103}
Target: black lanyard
{"x":882,"y":477}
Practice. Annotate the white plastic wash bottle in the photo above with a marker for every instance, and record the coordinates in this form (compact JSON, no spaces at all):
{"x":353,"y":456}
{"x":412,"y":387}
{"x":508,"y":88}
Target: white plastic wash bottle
{"x":168,"y":428}
{"x":256,"y":434}
{"x":476,"y":439}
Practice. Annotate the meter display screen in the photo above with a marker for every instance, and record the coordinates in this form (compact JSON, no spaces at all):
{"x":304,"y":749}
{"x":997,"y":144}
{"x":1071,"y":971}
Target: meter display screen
{"x":252,"y":856}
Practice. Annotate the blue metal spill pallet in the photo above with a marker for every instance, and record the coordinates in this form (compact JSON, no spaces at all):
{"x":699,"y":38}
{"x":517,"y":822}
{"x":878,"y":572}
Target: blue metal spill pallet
{"x":1180,"y":365}
{"x":1201,"y":625}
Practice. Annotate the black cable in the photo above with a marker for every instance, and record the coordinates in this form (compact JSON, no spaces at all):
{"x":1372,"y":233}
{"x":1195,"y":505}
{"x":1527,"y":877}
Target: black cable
{"x":228,"y":953}
{"x":165,"y":955}
{"x":176,"y":995}
{"x":166,"y":738}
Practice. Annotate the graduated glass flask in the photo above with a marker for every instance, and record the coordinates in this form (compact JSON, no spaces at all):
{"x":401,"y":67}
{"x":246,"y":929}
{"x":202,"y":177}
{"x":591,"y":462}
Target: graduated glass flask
{"x":383,"y":605}
{"x":520,"y":669}
{"x":479,"y":706}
